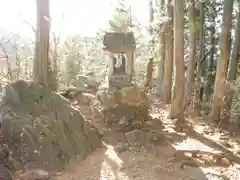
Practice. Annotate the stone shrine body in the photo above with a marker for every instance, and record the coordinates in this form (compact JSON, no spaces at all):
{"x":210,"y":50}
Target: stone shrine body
{"x":119,"y":50}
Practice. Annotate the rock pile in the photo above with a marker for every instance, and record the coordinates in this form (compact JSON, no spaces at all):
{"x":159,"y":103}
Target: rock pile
{"x":42,"y":127}
{"x":127,"y":107}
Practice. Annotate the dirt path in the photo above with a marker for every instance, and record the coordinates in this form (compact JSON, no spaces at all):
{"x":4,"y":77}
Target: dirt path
{"x":139,"y":163}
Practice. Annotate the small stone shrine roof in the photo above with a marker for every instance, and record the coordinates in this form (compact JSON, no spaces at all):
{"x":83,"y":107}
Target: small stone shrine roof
{"x":119,"y":42}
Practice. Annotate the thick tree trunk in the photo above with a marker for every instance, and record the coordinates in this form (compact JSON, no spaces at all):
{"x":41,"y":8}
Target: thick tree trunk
{"x":233,"y":67}
{"x":41,"y":64}
{"x":161,"y":56}
{"x":199,"y":72}
{"x":222,"y":64}
{"x":209,"y":72}
{"x":168,"y":66}
{"x":177,"y":108}
{"x":161,"y":62}
{"x":192,"y":53}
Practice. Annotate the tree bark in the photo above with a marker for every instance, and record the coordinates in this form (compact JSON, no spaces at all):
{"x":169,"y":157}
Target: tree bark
{"x":161,"y":55}
{"x":151,"y":15}
{"x":151,"y":18}
{"x":199,"y":72}
{"x":209,"y":72}
{"x":233,"y":67}
{"x":177,"y":109}
{"x":161,"y":62}
{"x":42,"y":63}
{"x":192,"y":53}
{"x":222,"y":64}
{"x":168,"y":65}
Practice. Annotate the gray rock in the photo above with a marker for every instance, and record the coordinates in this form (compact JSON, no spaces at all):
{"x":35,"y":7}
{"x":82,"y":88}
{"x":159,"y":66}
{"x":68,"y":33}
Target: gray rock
{"x":136,"y":137}
{"x":45,"y":127}
{"x":37,"y":174}
{"x":122,"y":146}
{"x":203,"y":174}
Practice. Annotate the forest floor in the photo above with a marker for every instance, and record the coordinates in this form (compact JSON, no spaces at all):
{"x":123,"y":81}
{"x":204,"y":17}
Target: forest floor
{"x":209,"y":153}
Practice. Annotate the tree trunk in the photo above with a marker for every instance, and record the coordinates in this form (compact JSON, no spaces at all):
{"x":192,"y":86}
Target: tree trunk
{"x":209,"y":72}
{"x":151,"y":18}
{"x":41,"y":64}
{"x":161,"y":55}
{"x":222,"y":64}
{"x":161,"y":62}
{"x":55,"y":63}
{"x":177,"y":109}
{"x":192,"y":53}
{"x":18,"y":64}
{"x":233,"y":67}
{"x":168,"y":65}
{"x":151,"y":15}
{"x":199,"y":72}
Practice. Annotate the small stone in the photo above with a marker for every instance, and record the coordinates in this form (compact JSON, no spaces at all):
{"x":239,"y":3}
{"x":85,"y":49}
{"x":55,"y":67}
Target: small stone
{"x":123,"y":121}
{"x":142,"y":158}
{"x":137,"y":124}
{"x":149,"y":123}
{"x":37,"y":174}
{"x":136,"y":137}
{"x":158,"y":169}
{"x":121,"y":147}
{"x":153,"y":138}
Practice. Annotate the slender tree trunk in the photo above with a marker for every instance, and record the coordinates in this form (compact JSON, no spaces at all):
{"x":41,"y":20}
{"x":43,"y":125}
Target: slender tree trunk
{"x":222,"y":64}
{"x":151,"y":18}
{"x":168,"y":66}
{"x":151,"y":15}
{"x":199,"y":72}
{"x":233,"y":67}
{"x":41,"y":64}
{"x":192,"y":53}
{"x":55,"y":63}
{"x":177,"y":108}
{"x":18,"y":64}
{"x":26,"y":68}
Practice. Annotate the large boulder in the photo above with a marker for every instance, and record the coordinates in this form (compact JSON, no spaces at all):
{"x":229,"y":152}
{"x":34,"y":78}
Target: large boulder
{"x":42,"y":127}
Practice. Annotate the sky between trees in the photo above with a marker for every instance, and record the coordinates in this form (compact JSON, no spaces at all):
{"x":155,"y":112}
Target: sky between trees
{"x":80,"y":16}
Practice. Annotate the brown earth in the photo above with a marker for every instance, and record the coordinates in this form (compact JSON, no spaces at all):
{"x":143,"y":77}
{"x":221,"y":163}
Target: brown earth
{"x":129,"y":157}
{"x":162,"y":149}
